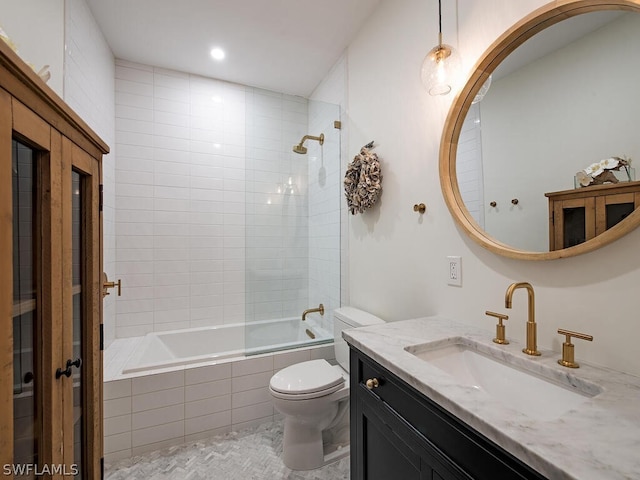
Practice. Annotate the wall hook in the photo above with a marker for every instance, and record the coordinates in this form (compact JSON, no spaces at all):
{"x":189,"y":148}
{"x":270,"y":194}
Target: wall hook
{"x":515,"y":201}
{"x":420,"y":207}
{"x":493,"y":204}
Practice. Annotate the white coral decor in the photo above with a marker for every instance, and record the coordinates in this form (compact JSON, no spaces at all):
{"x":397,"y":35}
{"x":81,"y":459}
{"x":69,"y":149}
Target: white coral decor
{"x":600,"y":172}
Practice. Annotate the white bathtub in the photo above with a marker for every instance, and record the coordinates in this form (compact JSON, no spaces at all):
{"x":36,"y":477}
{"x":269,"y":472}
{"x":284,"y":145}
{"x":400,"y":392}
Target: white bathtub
{"x":197,"y":345}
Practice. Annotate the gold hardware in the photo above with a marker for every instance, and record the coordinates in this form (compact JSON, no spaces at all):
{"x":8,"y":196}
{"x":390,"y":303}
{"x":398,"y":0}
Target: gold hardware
{"x":500,"y":329}
{"x":320,"y":309}
{"x":372,"y":383}
{"x":420,"y":207}
{"x":515,"y":201}
{"x":301,"y":149}
{"x":531,"y":348}
{"x":568,"y":359}
{"x":337,"y":124}
{"x":106,"y":284}
{"x":310,"y":334}
{"x":493,"y":204}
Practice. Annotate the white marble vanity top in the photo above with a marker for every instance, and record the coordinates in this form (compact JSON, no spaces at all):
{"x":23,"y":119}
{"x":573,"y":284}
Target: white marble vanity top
{"x":599,"y":439}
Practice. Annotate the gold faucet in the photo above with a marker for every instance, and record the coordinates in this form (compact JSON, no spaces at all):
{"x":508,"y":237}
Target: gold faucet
{"x":320,"y":309}
{"x":531,"y":348}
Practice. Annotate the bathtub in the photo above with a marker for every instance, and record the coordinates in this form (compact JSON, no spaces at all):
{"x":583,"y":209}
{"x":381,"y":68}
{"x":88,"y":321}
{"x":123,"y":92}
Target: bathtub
{"x":159,"y":350}
{"x":169,"y":388}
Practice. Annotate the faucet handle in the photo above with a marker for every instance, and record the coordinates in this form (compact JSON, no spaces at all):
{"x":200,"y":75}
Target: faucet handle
{"x":567,"y":359}
{"x":500,"y":328}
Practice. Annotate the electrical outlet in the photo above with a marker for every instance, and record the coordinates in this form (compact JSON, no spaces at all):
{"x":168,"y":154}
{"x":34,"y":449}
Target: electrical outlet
{"x":454,"y":276}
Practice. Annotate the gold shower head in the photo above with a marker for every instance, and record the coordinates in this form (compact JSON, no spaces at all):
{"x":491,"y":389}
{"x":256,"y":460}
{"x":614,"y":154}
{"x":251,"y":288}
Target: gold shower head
{"x":301,"y":149}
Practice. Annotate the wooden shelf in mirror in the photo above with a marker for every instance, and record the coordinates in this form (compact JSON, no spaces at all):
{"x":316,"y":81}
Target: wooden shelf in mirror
{"x":581,"y":214}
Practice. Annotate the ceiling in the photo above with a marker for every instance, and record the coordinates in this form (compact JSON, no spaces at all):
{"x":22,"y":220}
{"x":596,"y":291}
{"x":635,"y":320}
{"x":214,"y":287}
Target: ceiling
{"x":281,"y":45}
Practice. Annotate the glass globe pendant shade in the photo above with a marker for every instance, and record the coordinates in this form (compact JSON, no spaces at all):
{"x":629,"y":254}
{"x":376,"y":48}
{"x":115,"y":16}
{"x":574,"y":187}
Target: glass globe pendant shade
{"x":440,"y":69}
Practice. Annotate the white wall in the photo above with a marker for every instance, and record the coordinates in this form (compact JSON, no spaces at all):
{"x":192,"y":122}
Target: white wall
{"x":398,"y":266}
{"x":37,"y":29}
{"x":89,"y":90}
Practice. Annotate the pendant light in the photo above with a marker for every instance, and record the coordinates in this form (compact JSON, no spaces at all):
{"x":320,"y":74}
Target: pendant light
{"x":441,"y":65}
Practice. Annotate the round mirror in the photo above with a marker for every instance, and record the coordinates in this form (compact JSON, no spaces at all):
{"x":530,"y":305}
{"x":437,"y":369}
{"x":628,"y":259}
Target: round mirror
{"x":562,"y":97}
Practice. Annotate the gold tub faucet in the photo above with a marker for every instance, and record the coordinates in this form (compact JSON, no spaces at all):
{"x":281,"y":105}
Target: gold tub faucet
{"x":320,"y":309}
{"x":531,"y":348}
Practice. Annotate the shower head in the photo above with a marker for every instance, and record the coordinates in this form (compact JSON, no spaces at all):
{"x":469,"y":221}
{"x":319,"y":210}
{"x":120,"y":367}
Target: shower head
{"x":301,"y":149}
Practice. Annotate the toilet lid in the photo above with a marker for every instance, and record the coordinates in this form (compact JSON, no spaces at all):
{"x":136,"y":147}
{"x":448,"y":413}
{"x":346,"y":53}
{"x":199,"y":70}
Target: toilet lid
{"x":307,"y":377}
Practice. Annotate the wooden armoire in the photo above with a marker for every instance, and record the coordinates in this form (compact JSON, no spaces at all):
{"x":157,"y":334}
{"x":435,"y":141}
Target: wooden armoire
{"x":51,"y":282}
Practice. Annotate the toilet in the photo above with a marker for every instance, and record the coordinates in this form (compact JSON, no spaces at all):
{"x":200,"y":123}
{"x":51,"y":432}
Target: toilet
{"x":313,"y":397}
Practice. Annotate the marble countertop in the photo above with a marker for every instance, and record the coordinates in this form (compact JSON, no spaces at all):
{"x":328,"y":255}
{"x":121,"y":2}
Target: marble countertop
{"x":599,"y":439}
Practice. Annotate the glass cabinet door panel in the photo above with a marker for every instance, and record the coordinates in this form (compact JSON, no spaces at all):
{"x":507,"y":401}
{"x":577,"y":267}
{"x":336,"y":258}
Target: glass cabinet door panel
{"x":78,"y":354}
{"x":26,"y":375}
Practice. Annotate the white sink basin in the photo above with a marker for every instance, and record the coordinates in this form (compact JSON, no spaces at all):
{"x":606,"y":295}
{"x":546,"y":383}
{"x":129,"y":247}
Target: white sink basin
{"x":527,"y":392}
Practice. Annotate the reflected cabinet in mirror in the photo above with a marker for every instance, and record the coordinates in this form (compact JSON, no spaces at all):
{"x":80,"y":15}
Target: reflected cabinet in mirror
{"x":563,"y":97}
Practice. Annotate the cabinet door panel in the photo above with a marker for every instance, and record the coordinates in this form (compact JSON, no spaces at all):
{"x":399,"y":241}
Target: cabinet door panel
{"x":384,"y":454}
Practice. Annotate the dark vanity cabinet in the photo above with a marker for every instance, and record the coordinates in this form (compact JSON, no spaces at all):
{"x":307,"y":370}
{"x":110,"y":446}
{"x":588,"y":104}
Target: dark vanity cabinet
{"x":581,"y":214}
{"x":398,"y":433}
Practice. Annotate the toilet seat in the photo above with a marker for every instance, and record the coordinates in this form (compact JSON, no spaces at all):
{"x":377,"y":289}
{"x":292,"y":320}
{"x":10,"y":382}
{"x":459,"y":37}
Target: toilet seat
{"x":311,"y":379}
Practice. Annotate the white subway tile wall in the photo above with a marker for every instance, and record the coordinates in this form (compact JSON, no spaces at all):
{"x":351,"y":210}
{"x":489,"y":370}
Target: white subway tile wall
{"x":89,"y":90}
{"x":469,"y":165}
{"x":212,"y":204}
{"x":149,"y":412}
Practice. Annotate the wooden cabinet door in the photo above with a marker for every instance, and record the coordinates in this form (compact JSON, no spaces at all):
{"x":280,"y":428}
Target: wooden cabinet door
{"x":50,"y":241}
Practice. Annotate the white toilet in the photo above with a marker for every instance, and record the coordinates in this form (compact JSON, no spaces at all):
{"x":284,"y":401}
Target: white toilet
{"x":313,"y":397}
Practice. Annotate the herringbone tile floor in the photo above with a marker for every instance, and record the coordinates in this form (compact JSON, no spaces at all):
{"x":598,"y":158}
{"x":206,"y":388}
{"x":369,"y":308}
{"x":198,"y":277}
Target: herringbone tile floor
{"x":252,"y":454}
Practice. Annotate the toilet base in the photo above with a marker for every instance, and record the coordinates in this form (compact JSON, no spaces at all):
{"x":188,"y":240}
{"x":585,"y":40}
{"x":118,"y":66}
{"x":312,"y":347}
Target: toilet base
{"x":305,"y":447}
{"x":305,"y":450}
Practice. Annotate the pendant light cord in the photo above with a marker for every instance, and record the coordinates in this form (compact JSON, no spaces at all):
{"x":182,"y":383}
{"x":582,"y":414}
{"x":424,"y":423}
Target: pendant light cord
{"x":439,"y":22}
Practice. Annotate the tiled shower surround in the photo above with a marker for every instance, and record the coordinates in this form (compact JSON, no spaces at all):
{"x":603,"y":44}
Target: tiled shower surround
{"x":217,"y":221}
{"x":212,"y":206}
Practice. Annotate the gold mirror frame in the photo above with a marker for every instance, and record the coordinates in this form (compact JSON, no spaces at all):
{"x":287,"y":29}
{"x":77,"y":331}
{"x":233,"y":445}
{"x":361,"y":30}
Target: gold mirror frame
{"x":529,"y":26}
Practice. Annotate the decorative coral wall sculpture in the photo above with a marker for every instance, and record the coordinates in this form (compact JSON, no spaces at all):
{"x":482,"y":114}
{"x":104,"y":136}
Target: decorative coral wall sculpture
{"x":363,"y":181}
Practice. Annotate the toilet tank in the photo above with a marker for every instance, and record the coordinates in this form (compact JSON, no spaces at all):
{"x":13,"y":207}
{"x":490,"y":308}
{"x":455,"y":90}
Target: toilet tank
{"x":343,"y":319}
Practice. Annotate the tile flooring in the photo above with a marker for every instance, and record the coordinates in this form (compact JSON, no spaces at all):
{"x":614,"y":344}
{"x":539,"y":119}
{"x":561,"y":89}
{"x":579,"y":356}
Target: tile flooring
{"x":252,"y":454}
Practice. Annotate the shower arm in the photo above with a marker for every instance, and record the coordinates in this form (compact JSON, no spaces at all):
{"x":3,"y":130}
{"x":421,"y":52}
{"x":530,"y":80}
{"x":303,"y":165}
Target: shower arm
{"x":320,"y":139}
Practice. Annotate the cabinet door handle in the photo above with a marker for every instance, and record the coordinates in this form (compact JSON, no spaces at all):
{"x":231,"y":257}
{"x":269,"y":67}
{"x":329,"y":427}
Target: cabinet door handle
{"x":372,"y":383}
{"x":67,"y":371}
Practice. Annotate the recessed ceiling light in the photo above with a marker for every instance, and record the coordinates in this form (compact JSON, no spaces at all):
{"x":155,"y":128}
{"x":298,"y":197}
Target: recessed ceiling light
{"x":217,"y":53}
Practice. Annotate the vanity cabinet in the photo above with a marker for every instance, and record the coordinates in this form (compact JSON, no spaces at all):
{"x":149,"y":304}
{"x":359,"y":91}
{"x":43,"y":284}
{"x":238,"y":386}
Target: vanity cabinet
{"x":397,"y":432}
{"x":50,"y":274}
{"x":581,"y":214}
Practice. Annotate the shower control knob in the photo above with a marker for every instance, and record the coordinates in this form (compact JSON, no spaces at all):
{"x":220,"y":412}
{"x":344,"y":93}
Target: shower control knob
{"x":372,"y":383}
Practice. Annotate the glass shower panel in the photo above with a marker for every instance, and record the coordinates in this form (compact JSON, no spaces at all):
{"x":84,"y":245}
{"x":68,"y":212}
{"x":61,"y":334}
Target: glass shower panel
{"x":26,"y":410}
{"x":292,"y":237}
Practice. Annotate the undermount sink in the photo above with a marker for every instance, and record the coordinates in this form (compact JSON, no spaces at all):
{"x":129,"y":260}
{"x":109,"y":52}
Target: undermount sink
{"x":528,"y":392}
